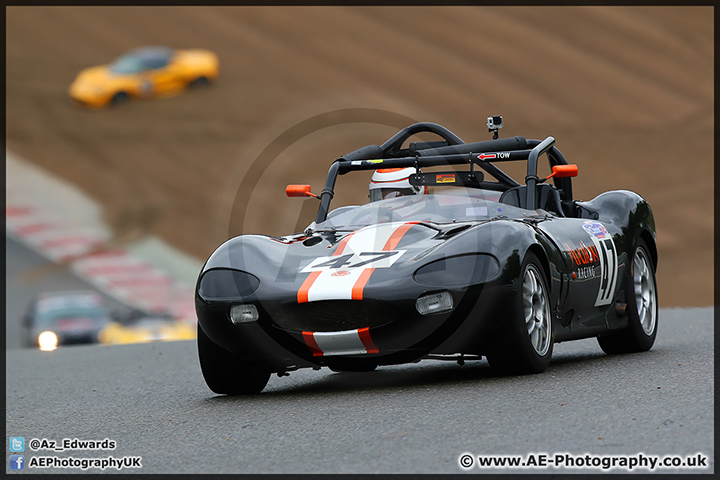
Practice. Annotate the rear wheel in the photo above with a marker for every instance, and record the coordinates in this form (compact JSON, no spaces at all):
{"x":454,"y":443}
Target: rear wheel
{"x":642,"y":308}
{"x":227,"y":373}
{"x":525,"y":344}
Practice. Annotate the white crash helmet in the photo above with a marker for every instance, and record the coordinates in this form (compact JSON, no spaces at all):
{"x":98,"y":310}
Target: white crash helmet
{"x":393,"y":182}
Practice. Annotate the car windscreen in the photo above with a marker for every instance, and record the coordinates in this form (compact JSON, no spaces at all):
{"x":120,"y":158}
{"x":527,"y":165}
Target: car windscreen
{"x":95,"y":316}
{"x":49,"y":310}
{"x":437,"y":208}
{"x":126,"y":65}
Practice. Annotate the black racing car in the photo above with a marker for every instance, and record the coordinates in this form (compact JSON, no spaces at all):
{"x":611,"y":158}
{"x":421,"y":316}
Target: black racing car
{"x":476,"y":267}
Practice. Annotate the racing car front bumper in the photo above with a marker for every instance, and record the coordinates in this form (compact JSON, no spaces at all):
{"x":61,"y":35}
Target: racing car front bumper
{"x":288,"y":335}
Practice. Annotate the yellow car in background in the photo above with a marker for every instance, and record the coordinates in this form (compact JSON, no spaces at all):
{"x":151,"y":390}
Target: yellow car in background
{"x":139,"y":327}
{"x":142,"y":73}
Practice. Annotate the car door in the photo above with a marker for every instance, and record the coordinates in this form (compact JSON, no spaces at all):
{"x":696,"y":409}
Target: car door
{"x":592,"y":268}
{"x":159,"y":76}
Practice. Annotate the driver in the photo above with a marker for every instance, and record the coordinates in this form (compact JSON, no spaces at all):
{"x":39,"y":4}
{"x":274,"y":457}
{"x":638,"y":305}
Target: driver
{"x":393,"y":182}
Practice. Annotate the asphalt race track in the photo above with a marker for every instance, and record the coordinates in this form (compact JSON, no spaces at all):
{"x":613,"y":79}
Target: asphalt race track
{"x":152,"y":401}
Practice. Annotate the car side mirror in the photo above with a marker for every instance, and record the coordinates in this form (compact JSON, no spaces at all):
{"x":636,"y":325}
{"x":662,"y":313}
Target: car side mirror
{"x":299,"y":191}
{"x":564,"y":171}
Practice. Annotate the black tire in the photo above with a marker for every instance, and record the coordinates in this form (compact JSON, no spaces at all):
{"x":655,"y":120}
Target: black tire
{"x":525,"y":344}
{"x":199,"y":82}
{"x":119,"y":98}
{"x":227,"y":373}
{"x":642,"y":307}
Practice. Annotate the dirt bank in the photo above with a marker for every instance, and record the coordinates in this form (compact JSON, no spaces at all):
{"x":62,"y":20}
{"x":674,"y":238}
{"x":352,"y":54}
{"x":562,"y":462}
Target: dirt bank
{"x":626,"y":91}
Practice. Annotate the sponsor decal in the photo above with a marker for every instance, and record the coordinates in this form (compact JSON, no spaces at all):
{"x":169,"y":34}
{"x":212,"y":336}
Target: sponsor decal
{"x":595,"y":229}
{"x":582,"y":258}
{"x":366,"y":162}
{"x":445,"y":178}
{"x":583,"y":255}
{"x":341,"y":273}
{"x":583,"y":273}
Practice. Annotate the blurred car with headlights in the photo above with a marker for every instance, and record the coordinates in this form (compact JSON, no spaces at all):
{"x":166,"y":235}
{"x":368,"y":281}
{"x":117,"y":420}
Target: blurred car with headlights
{"x":143,"y":73}
{"x":137,"y":326}
{"x":64,"y":318}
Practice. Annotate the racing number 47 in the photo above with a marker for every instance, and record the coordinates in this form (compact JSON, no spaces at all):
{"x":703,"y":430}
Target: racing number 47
{"x":362,"y":259}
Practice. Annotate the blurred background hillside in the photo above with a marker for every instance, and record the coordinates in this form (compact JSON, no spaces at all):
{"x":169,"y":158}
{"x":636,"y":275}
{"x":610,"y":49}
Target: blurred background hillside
{"x":626,"y":91}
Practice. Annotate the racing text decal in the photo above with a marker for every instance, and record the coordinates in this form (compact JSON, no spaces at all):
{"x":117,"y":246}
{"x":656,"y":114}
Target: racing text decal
{"x":585,"y":260}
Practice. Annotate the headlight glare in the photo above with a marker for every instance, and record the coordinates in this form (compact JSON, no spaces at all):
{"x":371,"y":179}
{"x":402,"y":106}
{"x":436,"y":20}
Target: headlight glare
{"x":48,"y":341}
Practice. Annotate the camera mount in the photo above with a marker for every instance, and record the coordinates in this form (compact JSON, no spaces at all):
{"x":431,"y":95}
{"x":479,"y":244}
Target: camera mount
{"x":494,"y":123}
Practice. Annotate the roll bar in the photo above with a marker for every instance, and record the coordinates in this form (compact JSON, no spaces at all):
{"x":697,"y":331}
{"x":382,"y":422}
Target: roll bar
{"x":531,"y":178}
{"x":455,"y":152}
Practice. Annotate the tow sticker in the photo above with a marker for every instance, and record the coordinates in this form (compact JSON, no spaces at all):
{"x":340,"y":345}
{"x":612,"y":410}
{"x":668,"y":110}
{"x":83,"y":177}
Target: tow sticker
{"x":608,"y":257}
{"x":496,"y":155}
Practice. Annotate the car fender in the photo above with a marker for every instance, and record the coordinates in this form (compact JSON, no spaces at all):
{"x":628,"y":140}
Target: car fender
{"x":507,"y":240}
{"x":629,"y":210}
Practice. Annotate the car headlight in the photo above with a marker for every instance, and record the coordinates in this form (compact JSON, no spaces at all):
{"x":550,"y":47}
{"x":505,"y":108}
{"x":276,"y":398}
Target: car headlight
{"x":243,"y":313}
{"x":48,"y":341}
{"x":434,"y":303}
{"x":225,"y":283}
{"x":460,"y":270}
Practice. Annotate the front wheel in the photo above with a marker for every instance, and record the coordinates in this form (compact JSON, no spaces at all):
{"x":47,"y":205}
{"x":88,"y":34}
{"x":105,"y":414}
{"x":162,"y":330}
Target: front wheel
{"x":119,"y":98}
{"x":199,"y":82}
{"x":227,"y":373}
{"x":642,"y":307}
{"x":526,"y":342}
